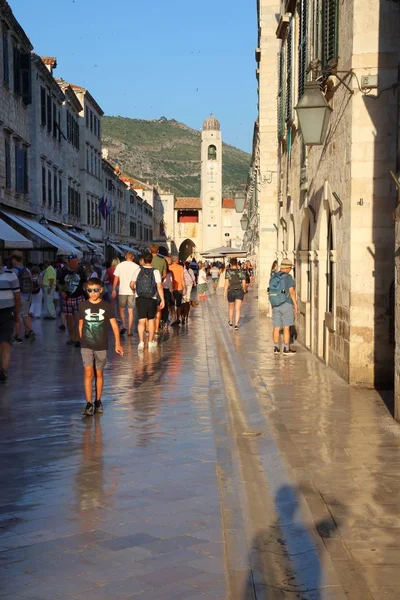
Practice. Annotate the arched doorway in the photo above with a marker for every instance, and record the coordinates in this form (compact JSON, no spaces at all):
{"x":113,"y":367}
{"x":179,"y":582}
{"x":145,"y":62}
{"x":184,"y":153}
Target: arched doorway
{"x":186,"y":249}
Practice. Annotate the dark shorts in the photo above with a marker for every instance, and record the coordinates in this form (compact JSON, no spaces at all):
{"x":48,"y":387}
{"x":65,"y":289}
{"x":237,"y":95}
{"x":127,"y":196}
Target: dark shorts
{"x":70,"y":306}
{"x":7,"y":324}
{"x":234,"y":295}
{"x":178,"y":297}
{"x":146,"y":308}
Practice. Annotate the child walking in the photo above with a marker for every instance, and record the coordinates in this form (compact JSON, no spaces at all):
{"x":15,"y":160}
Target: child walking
{"x":95,"y":315}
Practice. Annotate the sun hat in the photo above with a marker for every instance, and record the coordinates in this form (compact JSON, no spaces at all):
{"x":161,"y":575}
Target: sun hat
{"x":286,"y":263}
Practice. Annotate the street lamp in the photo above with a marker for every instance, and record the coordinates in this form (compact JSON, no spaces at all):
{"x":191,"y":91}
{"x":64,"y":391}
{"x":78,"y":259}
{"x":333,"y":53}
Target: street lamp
{"x":244,"y":222}
{"x":313,"y":112}
{"x":240,"y":199}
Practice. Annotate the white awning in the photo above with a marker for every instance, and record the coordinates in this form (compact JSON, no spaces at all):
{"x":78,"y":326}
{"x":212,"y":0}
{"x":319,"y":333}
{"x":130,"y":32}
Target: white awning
{"x":129,"y":249}
{"x":116,"y":248}
{"x":64,"y":236}
{"x":82,"y":238}
{"x":11,"y":238}
{"x":47,"y":236}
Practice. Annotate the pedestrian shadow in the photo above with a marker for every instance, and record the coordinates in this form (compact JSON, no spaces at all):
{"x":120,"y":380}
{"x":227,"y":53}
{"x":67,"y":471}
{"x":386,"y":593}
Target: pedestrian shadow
{"x":285,"y":558}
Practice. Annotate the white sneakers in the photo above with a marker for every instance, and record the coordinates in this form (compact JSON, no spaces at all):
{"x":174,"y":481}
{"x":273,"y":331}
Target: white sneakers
{"x":151,"y":345}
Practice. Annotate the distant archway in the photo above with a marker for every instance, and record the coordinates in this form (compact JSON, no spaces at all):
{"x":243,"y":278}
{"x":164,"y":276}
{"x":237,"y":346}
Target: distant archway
{"x":186,"y":249}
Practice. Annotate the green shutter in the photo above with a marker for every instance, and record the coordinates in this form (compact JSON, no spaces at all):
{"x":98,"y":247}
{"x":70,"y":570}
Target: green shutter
{"x":303,"y":45}
{"x":280,"y":103}
{"x":330,"y":16}
{"x":289,"y":74}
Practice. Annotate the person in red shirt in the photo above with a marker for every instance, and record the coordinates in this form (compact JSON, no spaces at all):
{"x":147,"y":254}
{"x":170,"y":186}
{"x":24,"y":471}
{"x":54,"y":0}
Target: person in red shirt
{"x":179,"y":285}
{"x":109,"y":282}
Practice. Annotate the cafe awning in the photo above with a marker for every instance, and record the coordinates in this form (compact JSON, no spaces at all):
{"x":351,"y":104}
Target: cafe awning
{"x":11,"y":238}
{"x":82,"y":238}
{"x":44,"y":234}
{"x":64,"y":236}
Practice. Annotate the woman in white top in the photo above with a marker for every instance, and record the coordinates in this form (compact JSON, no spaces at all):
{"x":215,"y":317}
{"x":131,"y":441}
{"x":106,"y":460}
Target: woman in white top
{"x":202,"y":283}
{"x":190,"y":281}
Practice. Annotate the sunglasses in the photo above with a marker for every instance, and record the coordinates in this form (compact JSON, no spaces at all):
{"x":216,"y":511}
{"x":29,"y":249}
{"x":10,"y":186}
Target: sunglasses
{"x":93,"y":290}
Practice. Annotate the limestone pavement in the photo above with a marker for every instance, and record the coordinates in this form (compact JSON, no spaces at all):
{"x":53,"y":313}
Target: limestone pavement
{"x":218,"y":470}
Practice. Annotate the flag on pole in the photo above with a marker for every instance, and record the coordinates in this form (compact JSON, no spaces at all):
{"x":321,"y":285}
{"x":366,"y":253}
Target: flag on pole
{"x":103,"y":208}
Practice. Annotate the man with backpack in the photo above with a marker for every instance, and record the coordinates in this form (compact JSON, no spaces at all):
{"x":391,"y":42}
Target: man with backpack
{"x":25,"y":286}
{"x":235,"y":282}
{"x":147,"y":284}
{"x":282,"y":296}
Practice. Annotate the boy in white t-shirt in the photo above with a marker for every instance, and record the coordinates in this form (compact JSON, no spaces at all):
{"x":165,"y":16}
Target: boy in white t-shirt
{"x":123,"y":275}
{"x":147,"y":283}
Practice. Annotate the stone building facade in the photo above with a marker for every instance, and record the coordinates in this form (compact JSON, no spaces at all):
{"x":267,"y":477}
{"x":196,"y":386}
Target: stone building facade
{"x":90,"y":163}
{"x":334,"y":202}
{"x":15,"y":99}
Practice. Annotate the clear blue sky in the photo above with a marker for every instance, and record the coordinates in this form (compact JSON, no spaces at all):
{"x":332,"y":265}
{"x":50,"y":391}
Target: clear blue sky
{"x":181,"y":59}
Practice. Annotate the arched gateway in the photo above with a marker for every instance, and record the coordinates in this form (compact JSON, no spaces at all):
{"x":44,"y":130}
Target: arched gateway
{"x":186,"y":249}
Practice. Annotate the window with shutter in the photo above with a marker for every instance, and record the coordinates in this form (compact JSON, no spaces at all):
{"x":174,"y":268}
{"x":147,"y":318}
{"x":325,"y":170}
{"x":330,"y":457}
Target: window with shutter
{"x":49,"y":113}
{"x":25,"y":167}
{"x":19,"y":170}
{"x":44,"y":187}
{"x":43,"y":106}
{"x":60,"y":189}
{"x":54,"y":120}
{"x":26,"y":77}
{"x":49,"y":197}
{"x":289,"y":74}
{"x":280,"y":101}
{"x":317,"y":30}
{"x":55,"y":188}
{"x":303,"y":45}
{"x":7,"y":148}
{"x":330,"y":15}
{"x":17,"y":78}
{"x":6,"y":56}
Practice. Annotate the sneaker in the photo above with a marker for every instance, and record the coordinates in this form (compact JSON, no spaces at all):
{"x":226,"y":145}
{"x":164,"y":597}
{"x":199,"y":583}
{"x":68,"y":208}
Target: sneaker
{"x":32,"y":336}
{"x":77,"y":344}
{"x":123,"y":331}
{"x":236,"y":327}
{"x":289,"y":352}
{"x":140,"y":346}
{"x":62,"y":328}
{"x":3,"y":376}
{"x":98,"y":407}
{"x":17,"y":340}
{"x":152,"y":345}
{"x":277,"y":350}
{"x":230,"y":324}
{"x":88,"y":410}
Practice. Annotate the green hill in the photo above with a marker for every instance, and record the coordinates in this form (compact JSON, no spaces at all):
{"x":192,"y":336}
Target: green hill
{"x":168,"y":153}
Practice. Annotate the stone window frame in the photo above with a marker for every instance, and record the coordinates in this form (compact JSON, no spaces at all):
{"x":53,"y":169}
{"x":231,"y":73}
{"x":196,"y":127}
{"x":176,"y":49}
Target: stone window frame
{"x":6,"y":54}
{"x":8,"y":178}
{"x":21,"y":172}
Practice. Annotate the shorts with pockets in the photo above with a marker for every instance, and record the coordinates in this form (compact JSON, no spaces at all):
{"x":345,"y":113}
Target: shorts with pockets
{"x":70,"y":306}
{"x":126,"y":301}
{"x":98,"y":358}
{"x":178,"y":297}
{"x":283,"y":315}
{"x":146,"y":308}
{"x":235,"y":295}
{"x":25,"y":307}
{"x":7,"y":324}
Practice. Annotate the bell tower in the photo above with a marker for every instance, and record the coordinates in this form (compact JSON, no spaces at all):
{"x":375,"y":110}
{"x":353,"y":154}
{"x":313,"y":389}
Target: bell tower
{"x":211,"y":183}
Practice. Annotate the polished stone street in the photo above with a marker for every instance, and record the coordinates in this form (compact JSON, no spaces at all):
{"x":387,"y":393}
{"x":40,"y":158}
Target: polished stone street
{"x":217,"y":471}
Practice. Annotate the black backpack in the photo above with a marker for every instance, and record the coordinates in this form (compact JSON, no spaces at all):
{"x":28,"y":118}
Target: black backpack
{"x":25,"y":281}
{"x":146,"y":286}
{"x":35,"y":286}
{"x":235,"y":283}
